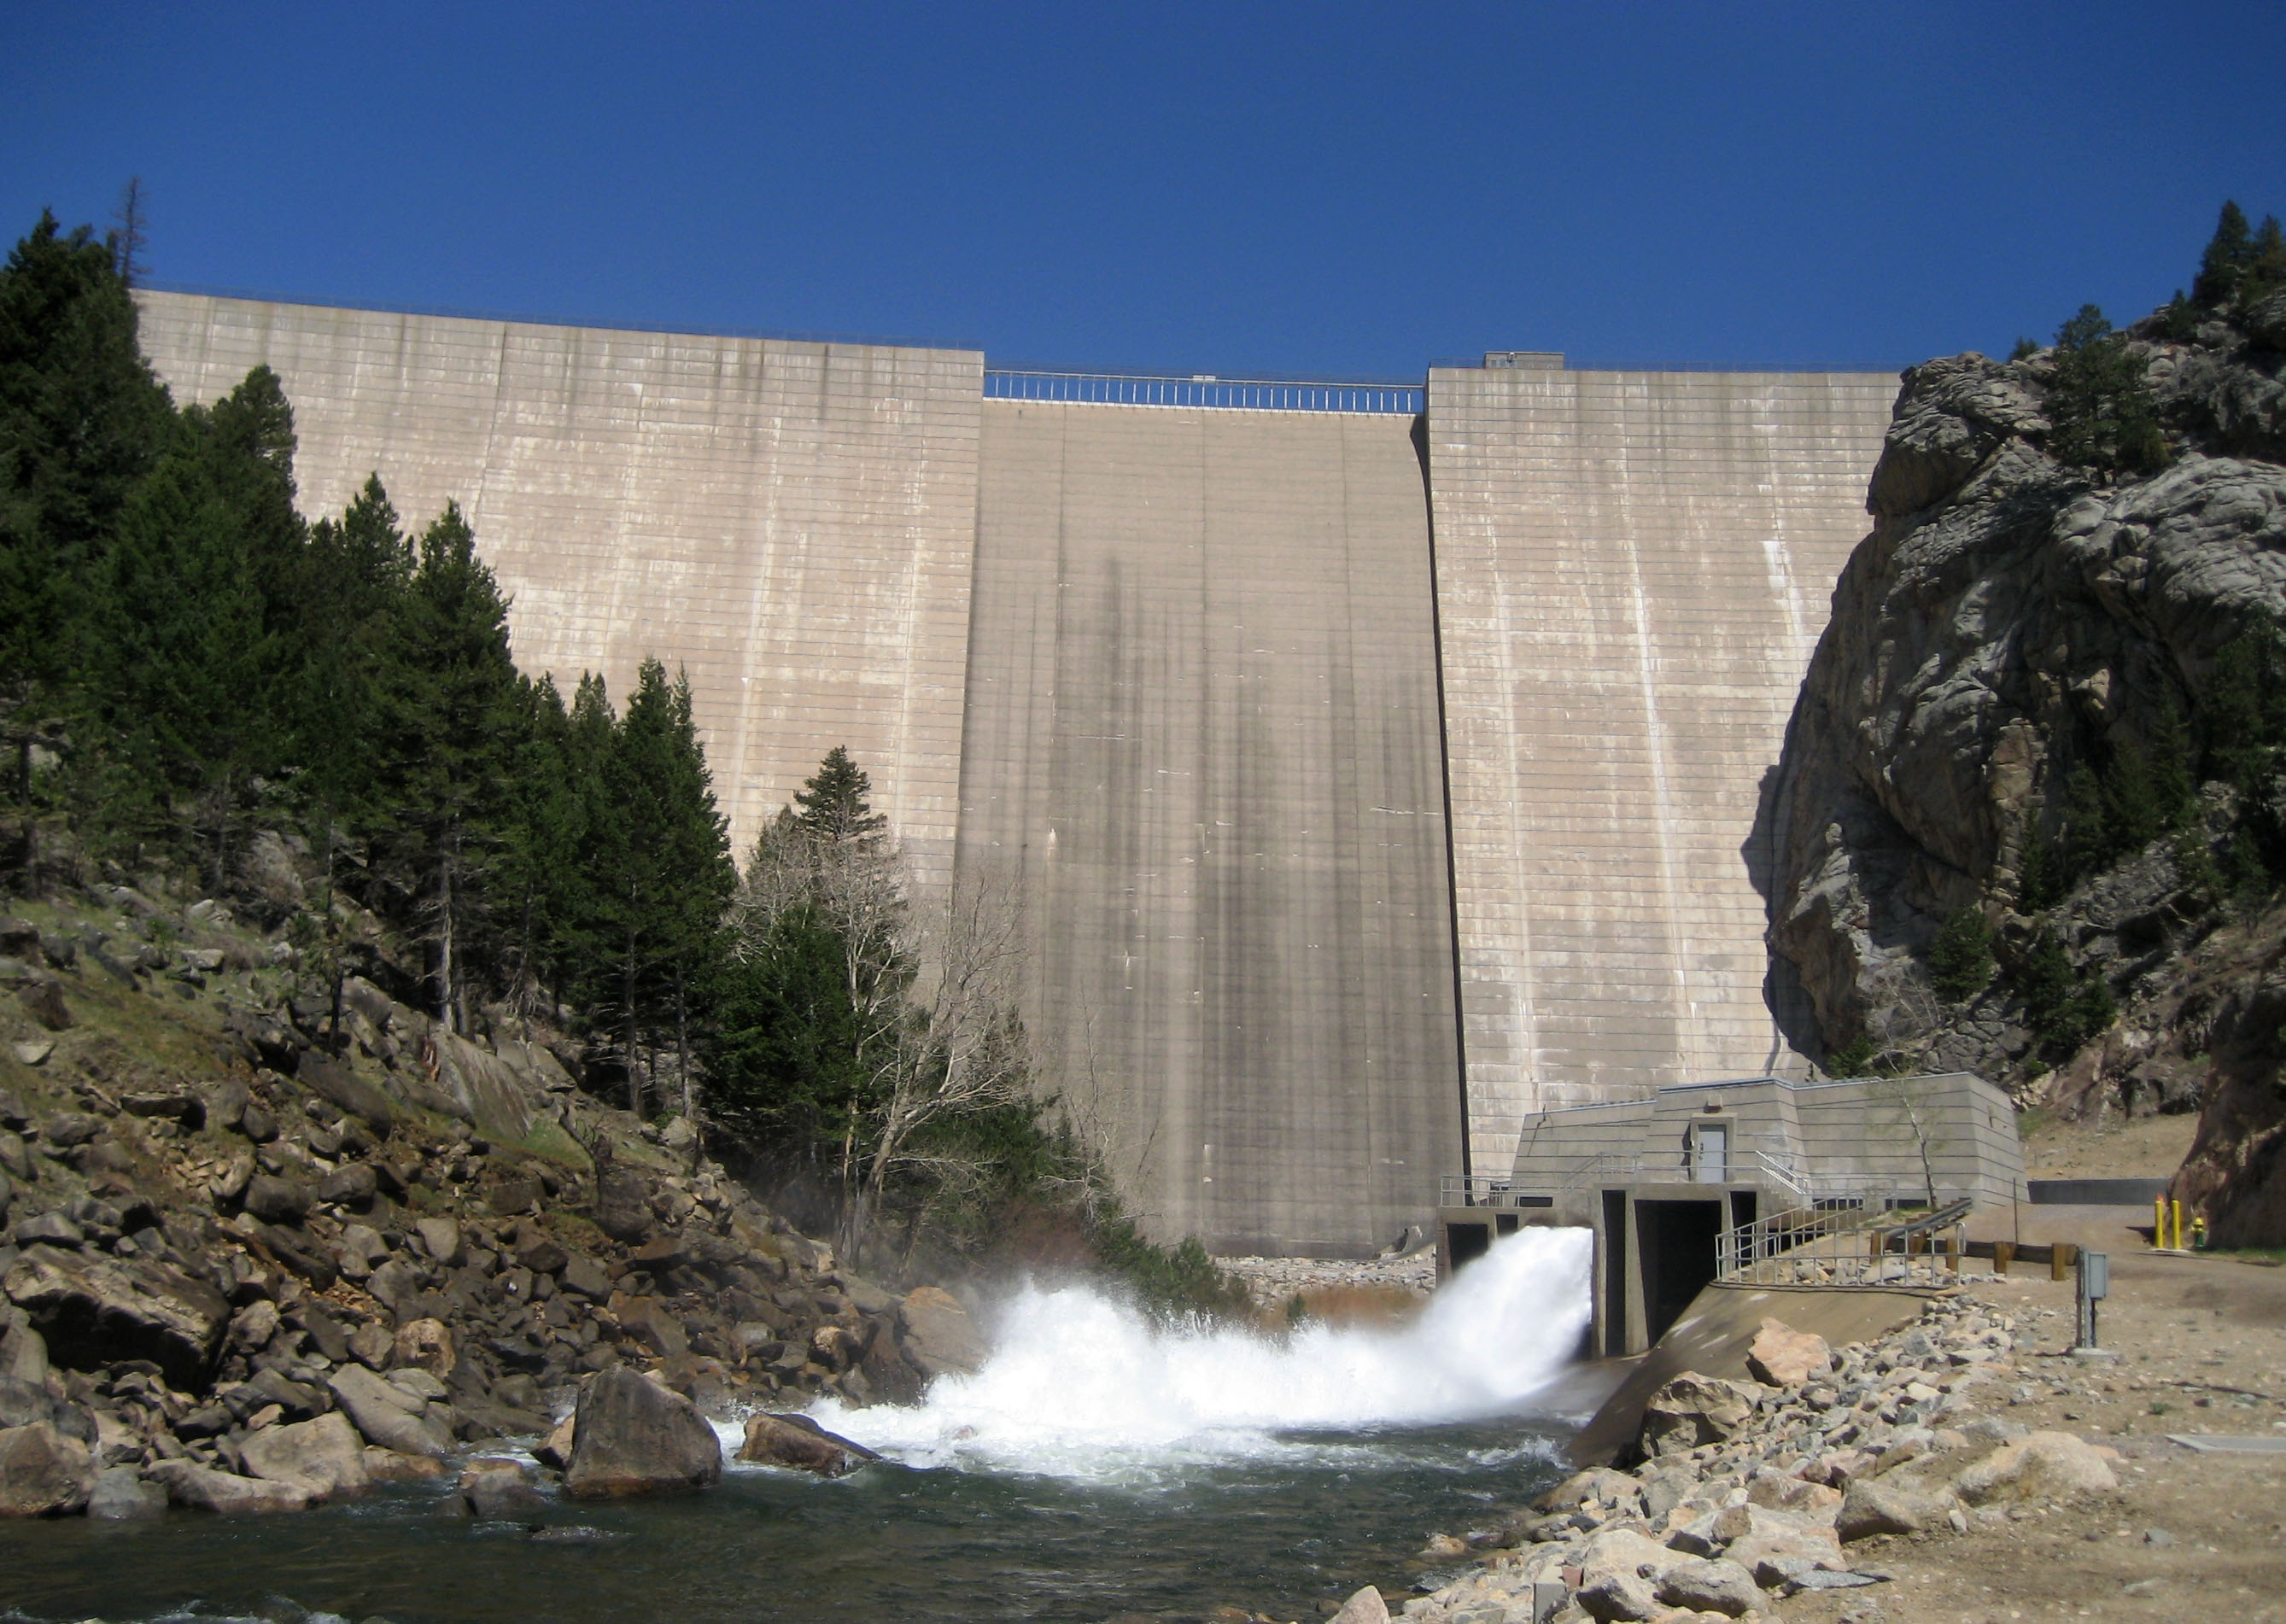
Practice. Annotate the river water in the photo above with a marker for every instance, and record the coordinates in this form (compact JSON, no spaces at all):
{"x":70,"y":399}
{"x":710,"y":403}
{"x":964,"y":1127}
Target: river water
{"x":1095,"y":1467}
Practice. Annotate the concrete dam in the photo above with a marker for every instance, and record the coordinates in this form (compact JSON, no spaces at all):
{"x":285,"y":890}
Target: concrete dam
{"x":1378,"y":764}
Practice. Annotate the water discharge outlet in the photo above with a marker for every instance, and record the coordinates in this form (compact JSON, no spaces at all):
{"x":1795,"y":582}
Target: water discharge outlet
{"x":1079,"y":1384}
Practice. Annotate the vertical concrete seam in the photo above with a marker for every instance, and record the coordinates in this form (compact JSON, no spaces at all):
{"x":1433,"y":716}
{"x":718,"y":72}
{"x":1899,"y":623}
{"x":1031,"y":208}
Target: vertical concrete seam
{"x":1425,"y":452}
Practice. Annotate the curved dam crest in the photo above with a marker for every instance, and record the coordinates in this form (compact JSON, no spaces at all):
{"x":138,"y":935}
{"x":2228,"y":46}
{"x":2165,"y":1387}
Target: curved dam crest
{"x":1372,"y":780}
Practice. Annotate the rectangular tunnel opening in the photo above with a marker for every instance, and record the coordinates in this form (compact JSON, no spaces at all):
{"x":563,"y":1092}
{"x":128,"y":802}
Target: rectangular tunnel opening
{"x":1678,"y":1242}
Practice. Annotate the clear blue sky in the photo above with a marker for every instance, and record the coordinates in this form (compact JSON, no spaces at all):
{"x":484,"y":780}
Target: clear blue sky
{"x":1331,"y":188}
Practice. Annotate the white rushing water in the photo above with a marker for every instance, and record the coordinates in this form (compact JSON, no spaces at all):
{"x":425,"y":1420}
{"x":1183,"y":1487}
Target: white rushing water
{"x":1079,"y":1384}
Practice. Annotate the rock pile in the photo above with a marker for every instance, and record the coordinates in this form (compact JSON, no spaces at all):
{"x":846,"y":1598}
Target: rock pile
{"x":267,"y":1283}
{"x":1748,"y":1490}
{"x":1272,"y":1282}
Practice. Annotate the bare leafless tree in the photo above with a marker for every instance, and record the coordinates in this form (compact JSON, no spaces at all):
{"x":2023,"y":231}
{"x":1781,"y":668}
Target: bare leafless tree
{"x":961,"y":1046}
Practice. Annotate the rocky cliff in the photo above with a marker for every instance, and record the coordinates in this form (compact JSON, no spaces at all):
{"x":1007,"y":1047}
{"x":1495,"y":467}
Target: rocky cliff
{"x":2023,"y":644}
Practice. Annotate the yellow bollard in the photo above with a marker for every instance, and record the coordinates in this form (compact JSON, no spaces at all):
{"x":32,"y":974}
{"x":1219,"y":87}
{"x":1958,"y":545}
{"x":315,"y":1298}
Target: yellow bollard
{"x":2179,"y":1226}
{"x":2158,"y":1221}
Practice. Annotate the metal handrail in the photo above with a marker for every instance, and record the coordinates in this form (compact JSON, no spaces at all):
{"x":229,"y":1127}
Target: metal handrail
{"x":1203,"y":390}
{"x":1838,"y":1242}
{"x":1473,"y":363}
{"x":1472,"y":1190}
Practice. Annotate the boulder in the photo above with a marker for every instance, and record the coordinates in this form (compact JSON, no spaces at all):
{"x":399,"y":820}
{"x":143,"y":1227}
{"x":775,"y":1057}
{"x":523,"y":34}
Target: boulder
{"x":325,"y":1458}
{"x":23,"y":1352}
{"x":2042,"y":1466}
{"x":1596,"y":1484}
{"x":426,"y":1344}
{"x":371,"y":1345}
{"x":43,"y":1471}
{"x":352,"y":1185}
{"x":202,"y":1488}
{"x":583,"y":1276}
{"x":517,"y":1193}
{"x":276,"y":1201}
{"x":387,"y":1466}
{"x":1703,"y":1586}
{"x":652,"y":1323}
{"x":93,"y":1311}
{"x":1618,"y":1596}
{"x":797,"y":1442}
{"x":1624,"y":1551}
{"x":440,"y":1238}
{"x":1780,"y":1493}
{"x":1365,"y":1606}
{"x":54,"y":1229}
{"x":500,"y":1491}
{"x":937,"y":1333}
{"x":538,"y":1250}
{"x":386,"y":1415}
{"x":622,"y":1204}
{"x":334,"y":1082}
{"x":555,"y":1450}
{"x":121,"y":1496}
{"x":1783,"y":1357}
{"x":43,"y":1001}
{"x":634,"y":1437}
{"x":1783,"y":1536}
{"x":1711,"y":1534}
{"x":1888,"y":1505}
{"x":66,"y":1128}
{"x":1694,"y":1410}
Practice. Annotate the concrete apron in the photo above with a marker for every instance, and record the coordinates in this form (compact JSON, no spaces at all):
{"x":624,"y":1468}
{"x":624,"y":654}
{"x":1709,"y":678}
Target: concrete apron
{"x":1714,"y":1333}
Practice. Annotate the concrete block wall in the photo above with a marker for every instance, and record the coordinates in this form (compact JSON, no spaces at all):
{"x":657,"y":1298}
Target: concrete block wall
{"x":1632,"y":571}
{"x":1202,"y":726}
{"x":792,"y":523}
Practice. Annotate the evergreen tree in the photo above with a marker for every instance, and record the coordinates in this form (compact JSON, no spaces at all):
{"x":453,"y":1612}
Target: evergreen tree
{"x":82,"y":423}
{"x":2086,"y":832}
{"x":2102,"y":409}
{"x":451,"y":705}
{"x":2240,"y":266}
{"x":197,"y":612}
{"x":541,"y":862}
{"x":1960,"y":959}
{"x":666,"y":877}
{"x":2225,"y":258}
{"x":835,"y":802}
{"x":355,"y":574}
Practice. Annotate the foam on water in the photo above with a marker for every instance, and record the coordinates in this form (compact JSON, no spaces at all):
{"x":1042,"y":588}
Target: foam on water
{"x":1079,"y":1384}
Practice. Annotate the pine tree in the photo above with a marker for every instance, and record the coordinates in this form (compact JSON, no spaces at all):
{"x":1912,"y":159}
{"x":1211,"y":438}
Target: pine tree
{"x":2102,"y":413}
{"x":82,"y":423}
{"x":2224,"y":262}
{"x":197,"y":610}
{"x":2087,"y":833}
{"x":356,"y":572}
{"x":666,"y":877}
{"x":835,"y":802}
{"x":452,"y":714}
{"x":1960,"y":959}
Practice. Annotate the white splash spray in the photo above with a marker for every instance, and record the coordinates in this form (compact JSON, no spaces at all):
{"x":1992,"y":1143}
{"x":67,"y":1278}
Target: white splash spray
{"x":1080,"y":1385}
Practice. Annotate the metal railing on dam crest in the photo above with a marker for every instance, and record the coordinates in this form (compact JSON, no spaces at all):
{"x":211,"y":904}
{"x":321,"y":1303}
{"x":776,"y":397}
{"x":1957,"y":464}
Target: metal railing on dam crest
{"x":1205,"y":389}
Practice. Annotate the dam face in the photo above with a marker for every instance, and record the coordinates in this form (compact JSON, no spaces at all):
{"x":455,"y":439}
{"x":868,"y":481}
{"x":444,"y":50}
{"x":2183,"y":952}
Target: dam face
{"x":1370,"y":778}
